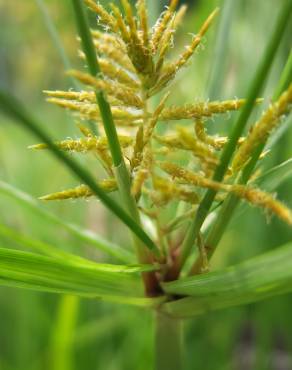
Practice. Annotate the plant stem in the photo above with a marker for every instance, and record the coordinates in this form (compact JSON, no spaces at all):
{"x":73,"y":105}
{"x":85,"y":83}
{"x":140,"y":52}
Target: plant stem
{"x":121,"y":172}
{"x":254,"y":91}
{"x":168,"y":343}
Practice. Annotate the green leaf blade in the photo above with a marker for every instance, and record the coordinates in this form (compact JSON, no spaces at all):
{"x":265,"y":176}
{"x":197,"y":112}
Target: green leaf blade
{"x":120,"y":284}
{"x":259,"y":278}
{"x":87,"y":236}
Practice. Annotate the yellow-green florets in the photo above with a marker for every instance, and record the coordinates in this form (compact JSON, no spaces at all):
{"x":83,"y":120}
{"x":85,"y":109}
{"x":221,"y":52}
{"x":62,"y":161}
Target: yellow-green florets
{"x":133,"y":61}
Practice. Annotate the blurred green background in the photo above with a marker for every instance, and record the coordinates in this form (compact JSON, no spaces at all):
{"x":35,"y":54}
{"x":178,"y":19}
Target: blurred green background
{"x":43,"y":331}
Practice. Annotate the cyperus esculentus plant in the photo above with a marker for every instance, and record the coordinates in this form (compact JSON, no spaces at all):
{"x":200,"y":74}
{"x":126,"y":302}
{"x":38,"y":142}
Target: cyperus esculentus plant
{"x":154,"y":170}
{"x":133,"y":68}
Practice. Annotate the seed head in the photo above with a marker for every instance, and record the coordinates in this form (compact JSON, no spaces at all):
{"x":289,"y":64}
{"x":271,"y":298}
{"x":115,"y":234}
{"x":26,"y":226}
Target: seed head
{"x":260,"y":132}
{"x":134,"y":65}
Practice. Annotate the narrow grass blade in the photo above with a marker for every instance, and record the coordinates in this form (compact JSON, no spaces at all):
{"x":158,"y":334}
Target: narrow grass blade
{"x":15,"y":110}
{"x":40,"y":273}
{"x":35,"y":245}
{"x":256,"y":279}
{"x":254,"y":91}
{"x":51,"y":251}
{"x":121,"y":254}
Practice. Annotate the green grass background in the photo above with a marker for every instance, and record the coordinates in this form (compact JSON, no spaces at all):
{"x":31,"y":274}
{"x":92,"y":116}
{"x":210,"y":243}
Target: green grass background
{"x":33,"y":332}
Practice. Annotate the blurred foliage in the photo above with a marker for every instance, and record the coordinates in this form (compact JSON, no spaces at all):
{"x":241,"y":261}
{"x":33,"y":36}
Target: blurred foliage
{"x":253,"y":337}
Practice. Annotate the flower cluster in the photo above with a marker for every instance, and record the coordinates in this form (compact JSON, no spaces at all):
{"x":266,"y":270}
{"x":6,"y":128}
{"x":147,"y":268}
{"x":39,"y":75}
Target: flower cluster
{"x":169,"y":165}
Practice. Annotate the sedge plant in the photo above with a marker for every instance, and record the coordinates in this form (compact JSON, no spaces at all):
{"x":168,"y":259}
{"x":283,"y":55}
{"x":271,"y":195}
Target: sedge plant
{"x":157,"y":157}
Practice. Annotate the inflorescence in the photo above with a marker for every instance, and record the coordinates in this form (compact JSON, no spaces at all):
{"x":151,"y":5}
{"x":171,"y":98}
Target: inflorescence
{"x":167,"y":165}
